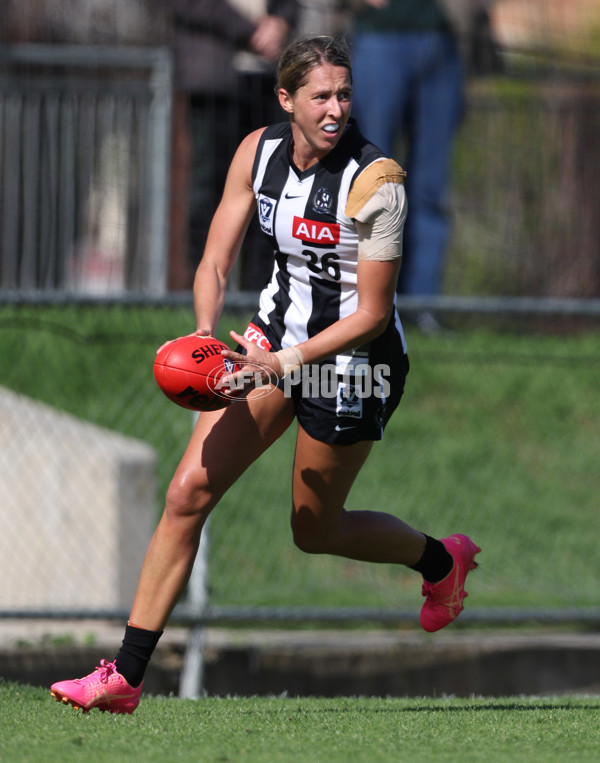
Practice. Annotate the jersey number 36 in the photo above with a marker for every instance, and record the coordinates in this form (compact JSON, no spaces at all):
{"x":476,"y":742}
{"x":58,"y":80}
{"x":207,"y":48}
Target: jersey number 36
{"x":328,"y":263}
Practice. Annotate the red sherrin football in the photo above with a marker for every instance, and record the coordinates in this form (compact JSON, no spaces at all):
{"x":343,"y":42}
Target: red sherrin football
{"x":188,"y":370}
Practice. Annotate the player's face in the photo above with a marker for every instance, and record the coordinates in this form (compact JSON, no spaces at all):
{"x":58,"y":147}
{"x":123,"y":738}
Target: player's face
{"x":319,"y":111}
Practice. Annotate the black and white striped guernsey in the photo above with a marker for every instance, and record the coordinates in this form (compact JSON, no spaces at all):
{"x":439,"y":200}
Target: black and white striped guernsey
{"x":314,"y":279}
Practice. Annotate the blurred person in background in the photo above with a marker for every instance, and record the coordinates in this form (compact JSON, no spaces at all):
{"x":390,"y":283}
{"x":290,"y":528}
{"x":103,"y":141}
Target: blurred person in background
{"x":84,"y":22}
{"x":332,"y":17}
{"x":225,"y":57}
{"x":409,"y":74}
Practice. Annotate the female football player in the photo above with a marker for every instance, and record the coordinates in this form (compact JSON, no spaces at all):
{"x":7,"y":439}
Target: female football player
{"x":328,"y":337}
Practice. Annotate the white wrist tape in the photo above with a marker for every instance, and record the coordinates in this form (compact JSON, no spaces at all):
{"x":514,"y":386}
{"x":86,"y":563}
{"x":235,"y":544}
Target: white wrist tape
{"x":290,"y":359}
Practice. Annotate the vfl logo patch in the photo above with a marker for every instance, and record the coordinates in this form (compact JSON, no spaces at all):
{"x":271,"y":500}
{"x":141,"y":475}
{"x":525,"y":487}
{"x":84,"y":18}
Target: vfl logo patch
{"x":349,"y":402}
{"x":313,"y":232}
{"x":322,"y":201}
{"x":266,"y":207}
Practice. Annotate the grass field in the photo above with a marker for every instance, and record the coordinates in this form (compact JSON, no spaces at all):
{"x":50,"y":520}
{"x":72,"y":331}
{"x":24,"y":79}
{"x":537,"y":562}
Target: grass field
{"x":267,"y":730}
{"x":498,"y":435}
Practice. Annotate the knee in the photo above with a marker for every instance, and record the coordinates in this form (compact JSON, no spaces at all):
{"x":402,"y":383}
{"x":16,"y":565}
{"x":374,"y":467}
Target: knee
{"x":188,"y":499}
{"x":308,"y":533}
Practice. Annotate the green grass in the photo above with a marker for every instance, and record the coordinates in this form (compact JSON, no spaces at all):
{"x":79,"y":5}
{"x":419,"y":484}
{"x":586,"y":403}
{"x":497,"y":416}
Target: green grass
{"x":33,"y":727}
{"x":498,"y":435}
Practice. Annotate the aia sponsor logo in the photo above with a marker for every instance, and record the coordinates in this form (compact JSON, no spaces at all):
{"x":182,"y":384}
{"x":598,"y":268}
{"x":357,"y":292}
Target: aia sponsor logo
{"x":313,"y":232}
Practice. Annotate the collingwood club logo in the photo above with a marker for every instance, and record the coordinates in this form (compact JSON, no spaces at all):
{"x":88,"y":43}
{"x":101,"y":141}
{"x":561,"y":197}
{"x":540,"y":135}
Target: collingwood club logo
{"x":322,"y":201}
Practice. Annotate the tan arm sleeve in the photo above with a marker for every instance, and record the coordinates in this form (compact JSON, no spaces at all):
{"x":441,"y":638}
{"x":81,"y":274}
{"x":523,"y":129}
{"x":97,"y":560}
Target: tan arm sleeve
{"x":370,"y":180}
{"x":380,"y":224}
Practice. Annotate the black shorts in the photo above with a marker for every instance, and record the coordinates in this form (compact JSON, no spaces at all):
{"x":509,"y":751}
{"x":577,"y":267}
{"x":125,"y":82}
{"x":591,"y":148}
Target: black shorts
{"x":352,"y":401}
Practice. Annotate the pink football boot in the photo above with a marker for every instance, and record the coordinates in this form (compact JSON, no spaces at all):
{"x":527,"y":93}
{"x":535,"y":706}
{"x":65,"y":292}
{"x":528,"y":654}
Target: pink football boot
{"x":104,"y":688}
{"x":444,"y":599}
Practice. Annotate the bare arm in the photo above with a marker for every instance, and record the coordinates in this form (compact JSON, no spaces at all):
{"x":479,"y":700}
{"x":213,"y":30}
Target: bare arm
{"x":225,"y":237}
{"x":376,"y":289}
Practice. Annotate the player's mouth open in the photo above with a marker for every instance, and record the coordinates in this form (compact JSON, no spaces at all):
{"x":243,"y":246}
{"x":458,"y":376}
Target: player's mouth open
{"x":331,"y":129}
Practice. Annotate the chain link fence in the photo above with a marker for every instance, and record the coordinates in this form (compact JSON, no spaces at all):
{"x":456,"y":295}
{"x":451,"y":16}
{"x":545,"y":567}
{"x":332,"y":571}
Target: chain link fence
{"x":524,"y":184}
{"x":84,"y":168}
{"x":88,"y":445}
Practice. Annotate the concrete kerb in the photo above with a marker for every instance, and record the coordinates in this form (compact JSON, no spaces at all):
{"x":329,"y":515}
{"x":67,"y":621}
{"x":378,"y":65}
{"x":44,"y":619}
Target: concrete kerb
{"x":392,"y":662}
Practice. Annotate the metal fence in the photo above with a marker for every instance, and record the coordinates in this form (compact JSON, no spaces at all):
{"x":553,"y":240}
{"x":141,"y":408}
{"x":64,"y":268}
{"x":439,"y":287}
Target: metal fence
{"x":85,"y":176}
{"x":88,"y":445}
{"x":524,"y":182}
{"x":84,"y":168}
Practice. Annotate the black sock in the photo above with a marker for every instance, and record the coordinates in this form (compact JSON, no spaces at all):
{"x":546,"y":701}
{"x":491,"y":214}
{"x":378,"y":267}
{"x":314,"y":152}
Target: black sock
{"x":435,"y":563}
{"x":135,"y":653}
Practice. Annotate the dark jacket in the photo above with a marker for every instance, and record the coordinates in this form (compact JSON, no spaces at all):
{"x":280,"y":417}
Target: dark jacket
{"x":207,"y":34}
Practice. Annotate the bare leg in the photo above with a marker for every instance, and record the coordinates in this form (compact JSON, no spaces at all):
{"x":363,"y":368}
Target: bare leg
{"x":224,"y":443}
{"x":323,"y":476}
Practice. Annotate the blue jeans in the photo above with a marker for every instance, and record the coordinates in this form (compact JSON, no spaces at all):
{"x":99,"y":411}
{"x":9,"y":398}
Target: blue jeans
{"x":410,"y":85}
